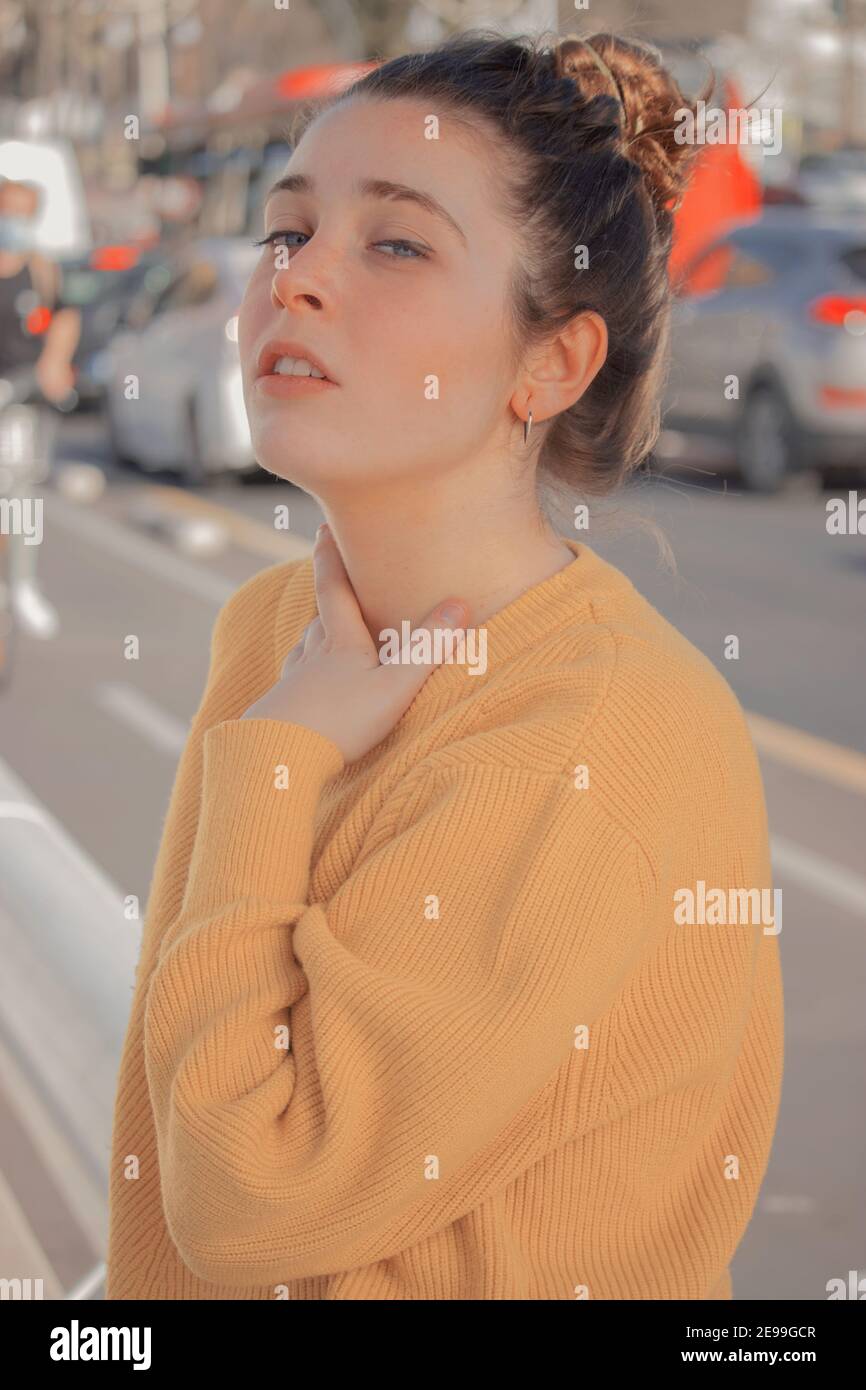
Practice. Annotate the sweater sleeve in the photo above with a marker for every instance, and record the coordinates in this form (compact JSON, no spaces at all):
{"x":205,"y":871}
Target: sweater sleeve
{"x":430,"y":1002}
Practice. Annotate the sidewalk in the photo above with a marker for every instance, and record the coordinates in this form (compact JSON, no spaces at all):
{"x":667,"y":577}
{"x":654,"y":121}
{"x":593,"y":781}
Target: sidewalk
{"x":68,"y":957}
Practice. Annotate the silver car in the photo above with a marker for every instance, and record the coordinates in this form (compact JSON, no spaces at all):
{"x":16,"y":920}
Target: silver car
{"x":769,"y":350}
{"x":174,"y":397}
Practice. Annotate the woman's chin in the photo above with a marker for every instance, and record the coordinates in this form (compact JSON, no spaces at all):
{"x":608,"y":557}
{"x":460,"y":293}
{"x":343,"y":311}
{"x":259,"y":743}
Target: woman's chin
{"x":303,"y":471}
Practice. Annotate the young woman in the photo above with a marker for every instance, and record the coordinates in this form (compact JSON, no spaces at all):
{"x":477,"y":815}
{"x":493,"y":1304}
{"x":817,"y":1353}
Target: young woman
{"x":418,"y":1013}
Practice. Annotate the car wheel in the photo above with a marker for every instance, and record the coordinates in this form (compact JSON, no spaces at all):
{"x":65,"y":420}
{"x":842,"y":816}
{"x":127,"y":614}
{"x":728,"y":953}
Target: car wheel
{"x":765,"y":441}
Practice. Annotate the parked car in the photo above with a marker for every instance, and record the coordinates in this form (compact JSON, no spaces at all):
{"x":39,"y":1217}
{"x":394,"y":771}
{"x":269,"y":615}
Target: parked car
{"x":779,"y":303}
{"x":101,"y":286}
{"x":834,"y":180}
{"x":181,"y":347}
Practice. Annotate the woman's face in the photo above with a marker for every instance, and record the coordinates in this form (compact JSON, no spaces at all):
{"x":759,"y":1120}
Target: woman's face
{"x":405,"y":312}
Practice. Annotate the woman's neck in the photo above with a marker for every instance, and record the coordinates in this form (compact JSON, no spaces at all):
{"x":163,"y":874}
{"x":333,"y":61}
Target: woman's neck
{"x":403,"y":573}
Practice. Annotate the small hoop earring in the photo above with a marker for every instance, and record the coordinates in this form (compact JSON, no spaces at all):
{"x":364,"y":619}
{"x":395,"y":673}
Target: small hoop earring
{"x":527,"y":426}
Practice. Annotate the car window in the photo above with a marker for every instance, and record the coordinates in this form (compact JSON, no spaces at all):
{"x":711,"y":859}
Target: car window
{"x":195,"y":286}
{"x":781,"y":250}
{"x":81,"y":286}
{"x":147,"y":299}
{"x":855,"y":260}
{"x":140,"y":310}
{"x":729,"y":266}
{"x":745,"y":271}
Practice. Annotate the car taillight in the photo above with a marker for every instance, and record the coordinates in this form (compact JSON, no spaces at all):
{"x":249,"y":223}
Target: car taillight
{"x":840,"y":311}
{"x":114,"y":258}
{"x":844,"y":396}
{"x":38,"y":319}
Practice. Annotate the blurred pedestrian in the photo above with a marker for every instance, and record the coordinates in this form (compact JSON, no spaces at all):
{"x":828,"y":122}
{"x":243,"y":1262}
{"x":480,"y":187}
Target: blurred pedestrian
{"x":39,"y":332}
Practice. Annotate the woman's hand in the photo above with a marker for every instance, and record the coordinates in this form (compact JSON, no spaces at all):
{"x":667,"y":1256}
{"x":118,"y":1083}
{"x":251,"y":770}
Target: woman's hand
{"x":332,"y":681}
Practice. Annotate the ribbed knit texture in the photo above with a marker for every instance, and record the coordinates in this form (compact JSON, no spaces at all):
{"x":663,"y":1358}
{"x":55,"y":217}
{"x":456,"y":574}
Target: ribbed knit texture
{"x":510,"y":1073}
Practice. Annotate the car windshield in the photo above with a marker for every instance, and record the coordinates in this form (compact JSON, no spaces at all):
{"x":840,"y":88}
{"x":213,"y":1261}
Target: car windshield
{"x":855,"y":260}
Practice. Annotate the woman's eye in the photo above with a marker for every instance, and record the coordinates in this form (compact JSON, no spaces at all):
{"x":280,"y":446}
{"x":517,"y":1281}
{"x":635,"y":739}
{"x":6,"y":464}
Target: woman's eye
{"x":404,"y":250}
{"x":272,"y":237}
{"x":417,"y":252}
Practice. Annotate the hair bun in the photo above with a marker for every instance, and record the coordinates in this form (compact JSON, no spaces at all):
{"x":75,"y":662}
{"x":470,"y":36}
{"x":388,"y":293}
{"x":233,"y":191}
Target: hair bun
{"x":634,"y":74}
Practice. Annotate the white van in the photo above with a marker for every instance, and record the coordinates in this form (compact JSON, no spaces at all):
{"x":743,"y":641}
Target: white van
{"x":62,"y":227}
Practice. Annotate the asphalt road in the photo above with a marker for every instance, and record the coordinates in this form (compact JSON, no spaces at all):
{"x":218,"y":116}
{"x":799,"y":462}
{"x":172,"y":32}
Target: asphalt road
{"x":89,"y":744}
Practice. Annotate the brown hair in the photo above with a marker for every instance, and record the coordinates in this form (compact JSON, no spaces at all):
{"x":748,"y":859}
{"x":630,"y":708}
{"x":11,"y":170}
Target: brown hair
{"x":588,"y":134}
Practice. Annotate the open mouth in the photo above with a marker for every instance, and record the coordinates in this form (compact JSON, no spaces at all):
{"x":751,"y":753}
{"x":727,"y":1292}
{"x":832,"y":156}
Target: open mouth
{"x":282,"y":384}
{"x":297,"y":367}
{"x":289,"y":361}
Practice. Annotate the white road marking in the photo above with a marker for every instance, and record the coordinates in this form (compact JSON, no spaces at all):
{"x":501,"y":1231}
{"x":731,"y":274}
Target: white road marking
{"x":19,"y":810}
{"x":119,"y":539}
{"x":838,"y":885}
{"x":89,"y":1285}
{"x":782,"y":1205}
{"x":140,"y":713}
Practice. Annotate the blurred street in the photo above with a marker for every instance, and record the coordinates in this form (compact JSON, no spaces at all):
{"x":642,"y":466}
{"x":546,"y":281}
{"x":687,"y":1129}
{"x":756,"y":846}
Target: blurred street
{"x":140,"y":146}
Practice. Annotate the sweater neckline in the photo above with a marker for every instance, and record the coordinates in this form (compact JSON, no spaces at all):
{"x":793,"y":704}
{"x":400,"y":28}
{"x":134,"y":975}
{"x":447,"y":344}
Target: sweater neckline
{"x":523,"y":622}
{"x":520,"y":624}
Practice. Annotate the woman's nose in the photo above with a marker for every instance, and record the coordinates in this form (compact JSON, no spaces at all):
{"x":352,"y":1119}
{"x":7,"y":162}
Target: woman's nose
{"x":304,"y":277}
{"x":284,"y":292}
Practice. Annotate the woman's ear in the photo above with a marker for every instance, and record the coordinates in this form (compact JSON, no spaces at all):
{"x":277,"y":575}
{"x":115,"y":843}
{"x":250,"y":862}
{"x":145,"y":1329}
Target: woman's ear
{"x":585,"y":344}
{"x":566,"y":367}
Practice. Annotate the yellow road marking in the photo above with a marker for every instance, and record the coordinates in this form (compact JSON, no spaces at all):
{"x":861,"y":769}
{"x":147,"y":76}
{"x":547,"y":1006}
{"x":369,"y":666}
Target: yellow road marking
{"x":254,"y":536}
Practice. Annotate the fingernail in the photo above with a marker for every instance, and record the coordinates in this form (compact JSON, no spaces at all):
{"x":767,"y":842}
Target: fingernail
{"x":451,"y":613}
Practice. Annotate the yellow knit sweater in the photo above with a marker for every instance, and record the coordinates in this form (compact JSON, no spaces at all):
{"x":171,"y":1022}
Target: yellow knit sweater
{"x":426,"y":1025}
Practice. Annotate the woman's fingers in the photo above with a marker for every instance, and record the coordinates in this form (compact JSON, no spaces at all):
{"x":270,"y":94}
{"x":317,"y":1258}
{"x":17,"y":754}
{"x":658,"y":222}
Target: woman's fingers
{"x":438,"y":640}
{"x":340,"y":621}
{"x":336,"y":681}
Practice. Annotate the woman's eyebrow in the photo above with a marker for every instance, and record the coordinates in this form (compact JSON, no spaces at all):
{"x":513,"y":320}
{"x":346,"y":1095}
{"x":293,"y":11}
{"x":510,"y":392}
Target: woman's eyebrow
{"x":373,"y":188}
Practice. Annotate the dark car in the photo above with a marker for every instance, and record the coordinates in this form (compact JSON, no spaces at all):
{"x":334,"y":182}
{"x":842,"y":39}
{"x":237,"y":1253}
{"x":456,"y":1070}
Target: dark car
{"x":102,"y":285}
{"x":769,"y":348}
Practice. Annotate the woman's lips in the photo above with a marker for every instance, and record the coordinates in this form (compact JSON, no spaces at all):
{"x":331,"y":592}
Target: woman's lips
{"x":275,"y":384}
